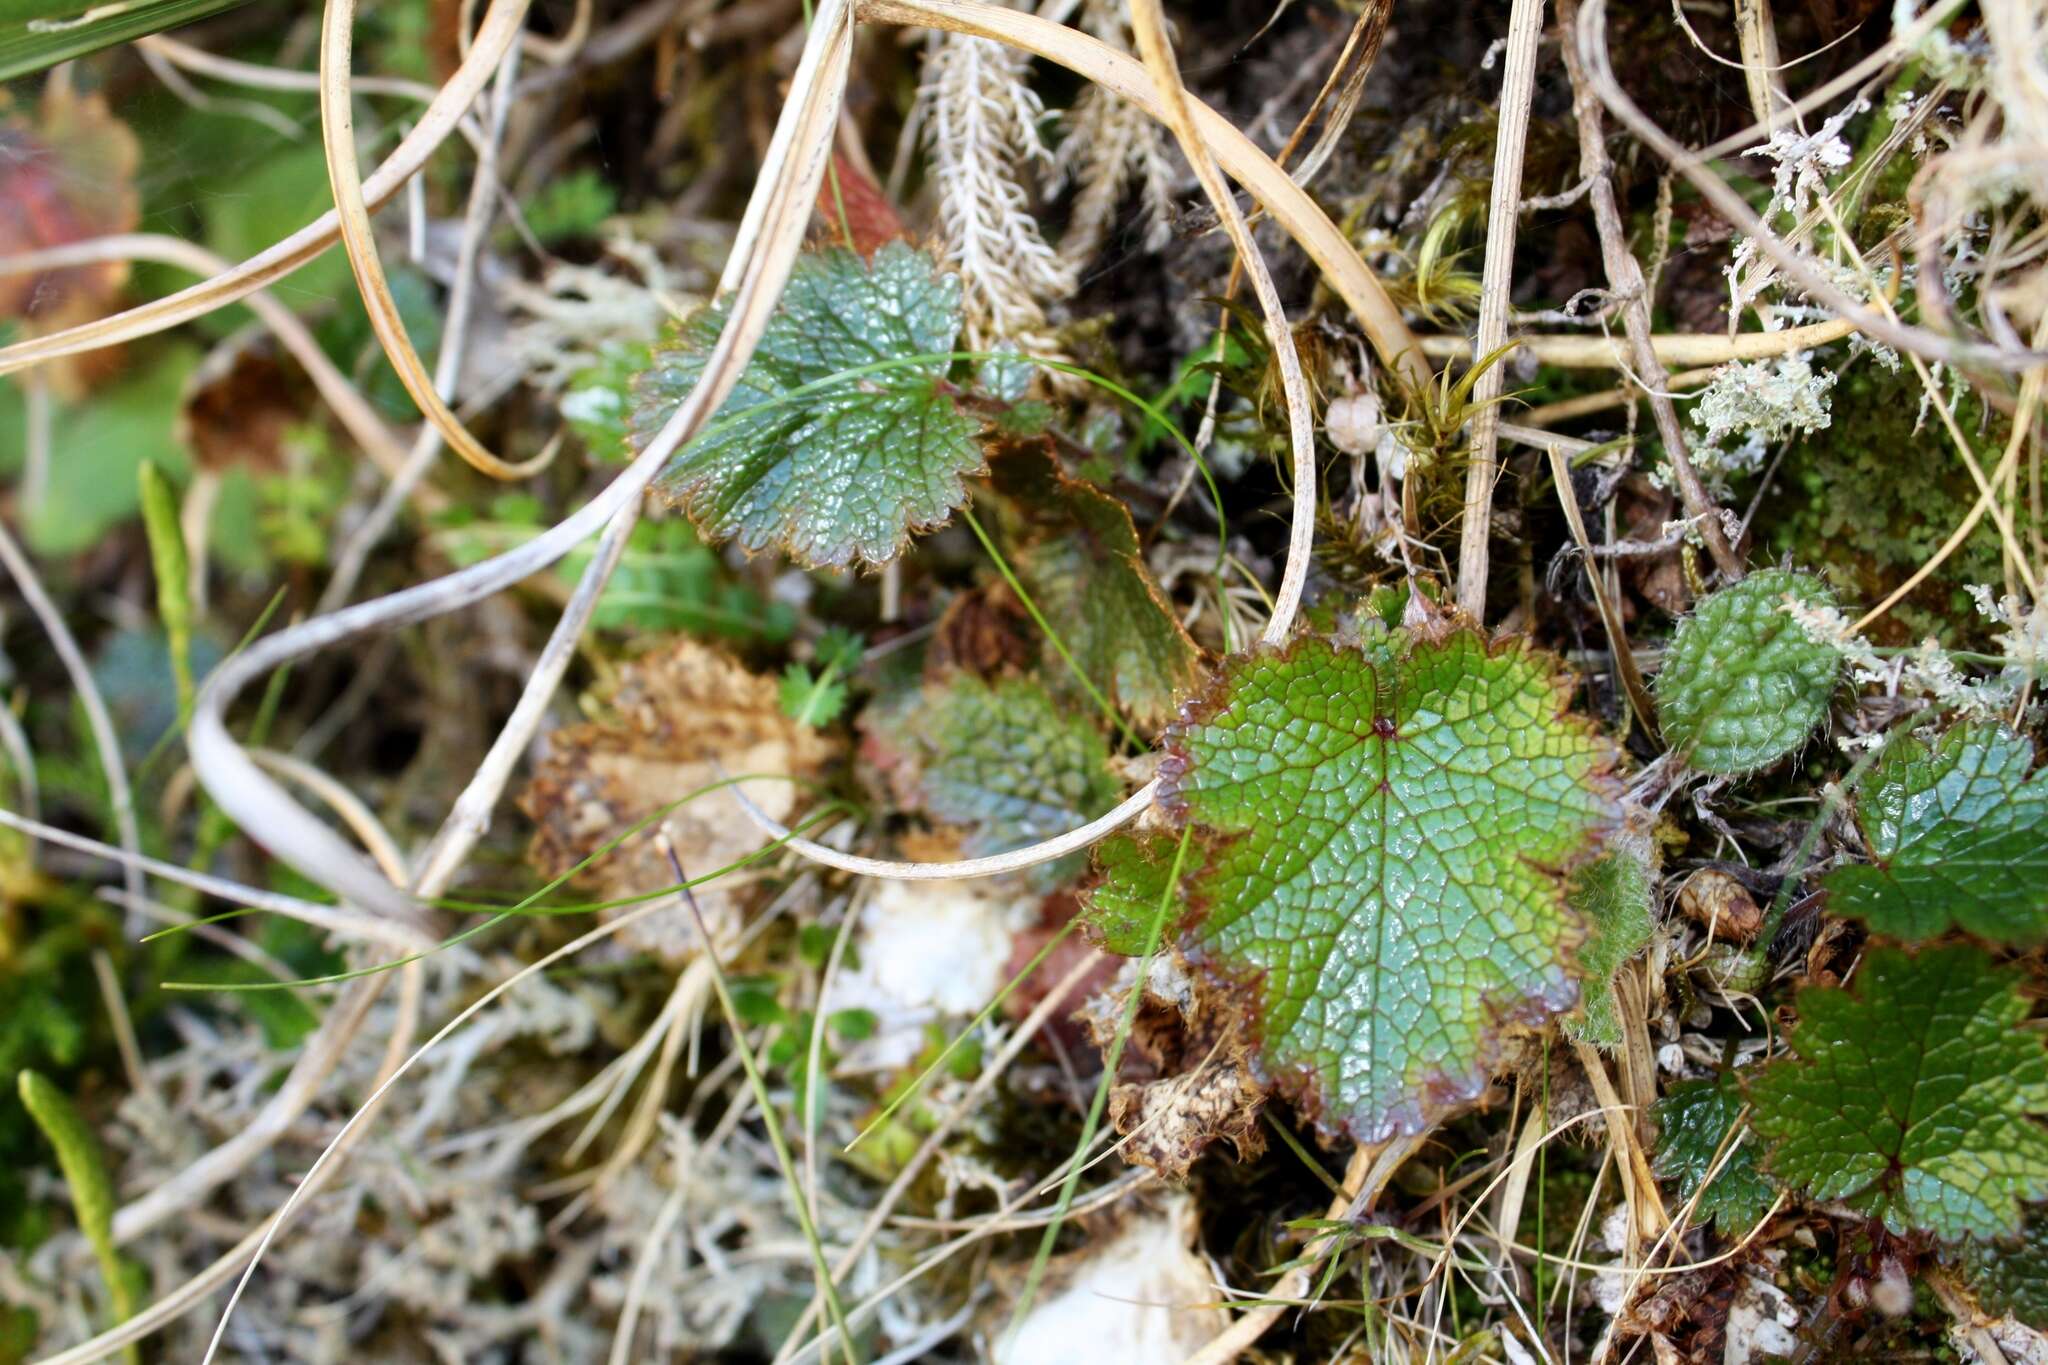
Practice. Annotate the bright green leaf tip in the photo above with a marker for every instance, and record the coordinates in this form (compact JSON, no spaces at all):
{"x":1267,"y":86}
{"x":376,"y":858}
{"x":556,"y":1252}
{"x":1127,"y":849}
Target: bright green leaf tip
{"x":1613,"y":894}
{"x":85,"y":1175}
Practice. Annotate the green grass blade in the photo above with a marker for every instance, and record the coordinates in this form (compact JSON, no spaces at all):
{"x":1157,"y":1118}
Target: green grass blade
{"x":85,"y":1173}
{"x":37,"y":34}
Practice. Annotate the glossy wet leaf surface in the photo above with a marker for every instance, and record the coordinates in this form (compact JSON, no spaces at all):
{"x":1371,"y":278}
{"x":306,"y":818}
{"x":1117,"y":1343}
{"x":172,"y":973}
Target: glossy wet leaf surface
{"x":1742,"y":683}
{"x":1693,"y":1122}
{"x":1911,"y":1096}
{"x":845,"y":473}
{"x":1383,"y":835}
{"x":1958,"y":837}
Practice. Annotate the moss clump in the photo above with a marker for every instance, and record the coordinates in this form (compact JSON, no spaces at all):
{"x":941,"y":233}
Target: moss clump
{"x":1870,"y":499}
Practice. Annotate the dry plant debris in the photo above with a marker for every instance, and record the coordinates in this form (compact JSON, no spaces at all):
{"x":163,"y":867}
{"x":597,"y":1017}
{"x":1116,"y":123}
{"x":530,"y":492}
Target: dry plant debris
{"x":964,"y":787}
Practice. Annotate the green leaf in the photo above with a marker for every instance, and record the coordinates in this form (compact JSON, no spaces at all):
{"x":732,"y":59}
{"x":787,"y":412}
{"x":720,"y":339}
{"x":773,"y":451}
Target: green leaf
{"x":812,"y":700}
{"x":1958,"y":837}
{"x":2011,"y":1275}
{"x":838,"y":474}
{"x":572,"y":205}
{"x":167,"y":556}
{"x":1908,"y":1098}
{"x":275,"y":198}
{"x":1742,"y":684}
{"x":1694,"y":1120}
{"x":599,"y":399}
{"x":1613,"y":895}
{"x":38,"y":34}
{"x":102,"y":442}
{"x":667,"y":580}
{"x":840,"y":648}
{"x":1385,"y":834}
{"x":1005,"y":761}
{"x":1118,"y":910}
{"x":1078,"y":556}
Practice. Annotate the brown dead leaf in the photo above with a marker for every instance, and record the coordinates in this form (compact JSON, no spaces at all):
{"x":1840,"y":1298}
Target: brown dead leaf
{"x":1185,"y":1078}
{"x":66,"y":176}
{"x":984,"y":632}
{"x":852,"y":205}
{"x":1175,"y":1121}
{"x":240,"y":403}
{"x":1721,"y":905}
{"x":677,"y":716}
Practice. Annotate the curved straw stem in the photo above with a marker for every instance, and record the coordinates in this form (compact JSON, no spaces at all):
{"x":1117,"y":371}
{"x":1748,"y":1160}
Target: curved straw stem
{"x":257,"y":77}
{"x":440,"y":118}
{"x":1148,"y":25}
{"x":354,"y":551}
{"x":359,"y":239}
{"x":334,"y":919}
{"x":349,"y":406}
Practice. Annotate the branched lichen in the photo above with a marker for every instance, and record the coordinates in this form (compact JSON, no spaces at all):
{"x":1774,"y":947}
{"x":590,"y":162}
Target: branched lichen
{"x":982,"y":124}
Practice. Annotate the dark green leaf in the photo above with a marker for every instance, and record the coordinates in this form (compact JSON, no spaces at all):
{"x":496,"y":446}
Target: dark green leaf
{"x":1742,"y":683}
{"x":1911,"y":1096}
{"x":1958,"y":837}
{"x":2010,"y":1275}
{"x":1079,"y":557}
{"x":1693,"y":1121}
{"x":838,"y":475}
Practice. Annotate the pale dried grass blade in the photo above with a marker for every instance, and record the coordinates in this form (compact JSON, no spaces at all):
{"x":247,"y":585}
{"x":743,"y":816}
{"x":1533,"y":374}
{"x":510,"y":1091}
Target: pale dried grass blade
{"x":359,"y":239}
{"x":439,"y":119}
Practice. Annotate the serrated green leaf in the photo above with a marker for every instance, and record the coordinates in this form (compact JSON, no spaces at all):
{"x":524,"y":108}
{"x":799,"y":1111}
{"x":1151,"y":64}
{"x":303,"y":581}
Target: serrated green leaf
{"x":1079,"y":557}
{"x":1958,"y":836}
{"x":1909,"y":1097}
{"x":1003,"y":761}
{"x":1742,"y":683}
{"x":1612,"y":895}
{"x":1118,"y":910}
{"x":813,"y":700}
{"x":2011,"y":1275}
{"x":841,"y":474}
{"x":1384,"y":838}
{"x":1693,"y":1121}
